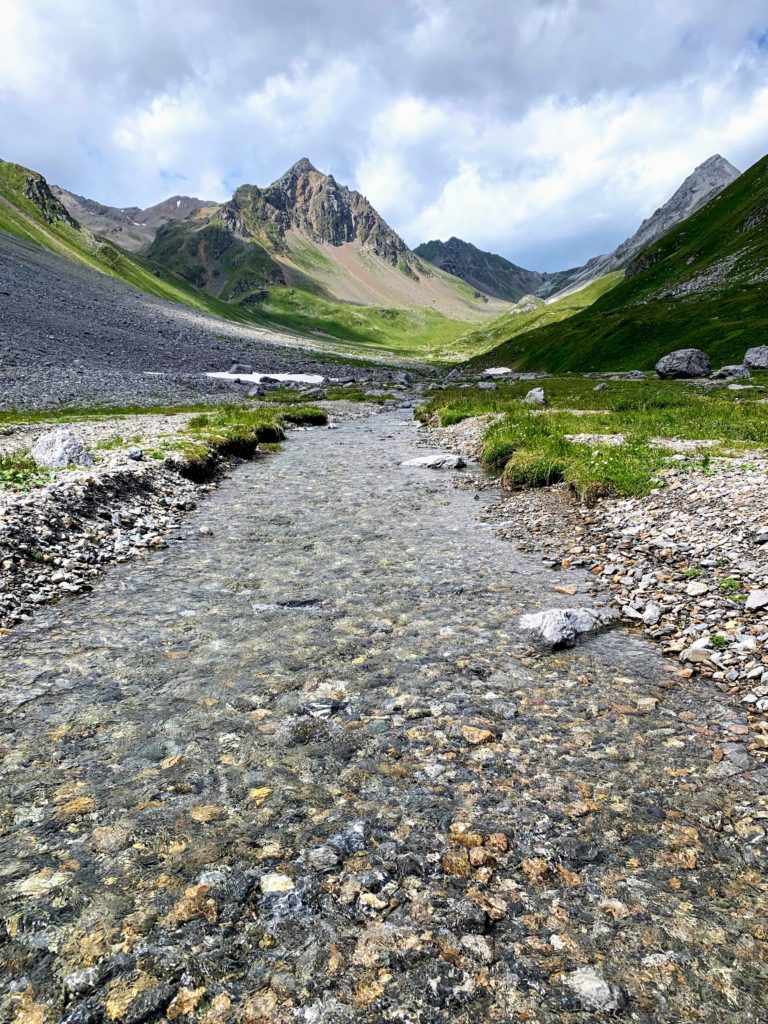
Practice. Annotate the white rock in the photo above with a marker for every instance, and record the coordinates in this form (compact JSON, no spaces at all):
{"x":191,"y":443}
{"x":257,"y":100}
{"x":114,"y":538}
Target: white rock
{"x":696,"y":588}
{"x":60,"y":448}
{"x":593,"y":991}
{"x":757,"y":358}
{"x":757,"y":599}
{"x":275,"y":882}
{"x":535,"y":397}
{"x":560,"y":626}
{"x":437,"y":462}
{"x":652,"y":614}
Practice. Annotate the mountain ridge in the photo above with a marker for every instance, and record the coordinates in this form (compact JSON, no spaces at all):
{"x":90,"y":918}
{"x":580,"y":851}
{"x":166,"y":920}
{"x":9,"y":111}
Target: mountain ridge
{"x":700,"y":285}
{"x":131,"y":227}
{"x":496,"y":274}
{"x":306,"y":231}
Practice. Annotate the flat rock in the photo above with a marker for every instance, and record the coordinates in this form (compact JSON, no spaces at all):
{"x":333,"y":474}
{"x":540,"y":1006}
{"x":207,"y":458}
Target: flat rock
{"x":734,"y":371}
{"x":559,"y":627}
{"x":696,"y":588}
{"x":437,"y":462}
{"x":60,"y":448}
{"x":757,"y":599}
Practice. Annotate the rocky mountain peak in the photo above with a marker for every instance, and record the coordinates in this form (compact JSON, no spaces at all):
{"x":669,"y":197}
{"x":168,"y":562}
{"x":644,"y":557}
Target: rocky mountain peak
{"x":310,"y":201}
{"x":302,"y":166}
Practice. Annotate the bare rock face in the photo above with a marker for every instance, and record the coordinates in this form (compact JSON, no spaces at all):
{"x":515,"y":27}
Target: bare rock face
{"x":684,"y":363}
{"x":59,"y":449}
{"x":313,"y":202}
{"x":757,"y":358}
{"x":559,"y":627}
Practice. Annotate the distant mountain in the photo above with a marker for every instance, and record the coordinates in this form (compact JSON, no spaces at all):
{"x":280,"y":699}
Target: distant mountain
{"x":702,"y":284}
{"x":705,"y":182}
{"x":132,"y":228}
{"x":497,"y":276}
{"x":304,"y":231}
{"x":489,"y":273}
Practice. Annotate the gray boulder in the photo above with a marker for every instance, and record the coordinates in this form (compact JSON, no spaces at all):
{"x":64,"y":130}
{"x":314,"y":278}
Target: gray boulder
{"x":634,"y":375}
{"x":535,"y":397}
{"x":684,"y":363}
{"x":486,"y":385}
{"x":757,"y":358}
{"x":59,"y":449}
{"x":599,"y":387}
{"x":733,"y":371}
{"x":559,"y":627}
{"x":241,"y":368}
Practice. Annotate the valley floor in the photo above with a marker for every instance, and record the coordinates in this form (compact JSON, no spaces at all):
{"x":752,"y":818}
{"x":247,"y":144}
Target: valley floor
{"x":72,"y":336}
{"x":304,"y":766}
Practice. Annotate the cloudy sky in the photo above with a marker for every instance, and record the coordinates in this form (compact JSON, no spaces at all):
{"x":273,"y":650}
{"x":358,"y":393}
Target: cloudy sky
{"x":541,"y":129}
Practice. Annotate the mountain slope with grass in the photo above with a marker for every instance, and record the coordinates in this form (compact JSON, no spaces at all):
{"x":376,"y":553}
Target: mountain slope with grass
{"x":489,"y":273}
{"x":30,"y":211}
{"x":703,"y":285}
{"x":221,"y":268}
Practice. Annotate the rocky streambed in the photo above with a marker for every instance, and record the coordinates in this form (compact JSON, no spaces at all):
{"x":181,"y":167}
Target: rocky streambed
{"x":305,"y":767}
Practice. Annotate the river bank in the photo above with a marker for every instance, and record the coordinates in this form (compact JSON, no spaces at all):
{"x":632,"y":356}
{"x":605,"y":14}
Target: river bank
{"x":57,"y":539}
{"x":304,"y":766}
{"x":686,"y":564}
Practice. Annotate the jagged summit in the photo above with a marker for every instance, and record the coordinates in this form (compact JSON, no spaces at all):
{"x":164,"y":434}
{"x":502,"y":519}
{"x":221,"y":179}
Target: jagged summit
{"x":302,"y":166}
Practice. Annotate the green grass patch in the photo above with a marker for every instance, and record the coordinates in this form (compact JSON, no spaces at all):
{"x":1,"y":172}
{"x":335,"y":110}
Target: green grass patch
{"x":498,"y":335}
{"x":530,"y":447}
{"x":20,"y":472}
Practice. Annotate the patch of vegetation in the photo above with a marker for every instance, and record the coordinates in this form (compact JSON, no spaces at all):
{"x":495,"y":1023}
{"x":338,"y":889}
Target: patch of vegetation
{"x":499,"y":335}
{"x":410,"y":333}
{"x":530,"y":446}
{"x":20,"y":472}
{"x":701,"y":286}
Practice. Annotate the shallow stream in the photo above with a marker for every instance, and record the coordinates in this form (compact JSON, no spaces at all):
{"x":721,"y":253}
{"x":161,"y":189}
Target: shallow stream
{"x":302,"y":766}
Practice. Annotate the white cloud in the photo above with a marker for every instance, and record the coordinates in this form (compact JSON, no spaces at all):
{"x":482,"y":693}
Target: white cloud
{"x":543,"y":128}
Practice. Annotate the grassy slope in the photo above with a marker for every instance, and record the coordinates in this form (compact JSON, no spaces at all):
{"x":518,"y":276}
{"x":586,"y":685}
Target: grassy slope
{"x":500,"y":331}
{"x":642,"y":318}
{"x":20,"y":217}
{"x":530,"y":447}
